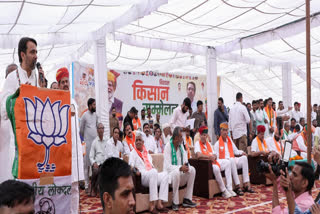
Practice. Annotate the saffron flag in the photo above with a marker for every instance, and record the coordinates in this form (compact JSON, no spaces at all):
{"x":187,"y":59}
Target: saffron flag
{"x":41,"y":125}
{"x":40,"y":120}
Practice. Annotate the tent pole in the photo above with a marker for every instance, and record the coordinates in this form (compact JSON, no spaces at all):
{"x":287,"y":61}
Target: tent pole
{"x":308,"y":60}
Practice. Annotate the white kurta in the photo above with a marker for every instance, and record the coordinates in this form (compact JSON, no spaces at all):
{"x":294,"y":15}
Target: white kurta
{"x":225,"y":165}
{"x":268,"y":126}
{"x":176,"y":177}
{"x":151,"y":178}
{"x":98,"y":151}
{"x":178,"y":118}
{"x":150,"y":144}
{"x":7,"y":145}
{"x":272,"y":146}
{"x":77,"y":154}
{"x":114,"y":150}
{"x":255,"y":147}
{"x":238,"y":120}
{"x":88,"y":130}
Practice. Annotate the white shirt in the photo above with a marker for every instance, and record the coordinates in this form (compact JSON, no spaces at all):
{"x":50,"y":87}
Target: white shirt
{"x":167,"y":164}
{"x":98,"y":151}
{"x":194,"y":106}
{"x":136,"y":161}
{"x":283,"y":112}
{"x":313,"y":116}
{"x":150,"y":144}
{"x":296,"y":115}
{"x":166,"y":139}
{"x":236,"y":151}
{"x":255,"y":147}
{"x":238,"y":120}
{"x":301,"y":144}
{"x":113,"y":150}
{"x":178,"y":118}
{"x":272,"y":146}
{"x":198,"y":149}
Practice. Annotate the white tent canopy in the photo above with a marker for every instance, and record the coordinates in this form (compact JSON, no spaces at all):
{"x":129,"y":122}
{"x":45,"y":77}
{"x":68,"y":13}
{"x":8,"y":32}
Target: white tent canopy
{"x":252,"y":39}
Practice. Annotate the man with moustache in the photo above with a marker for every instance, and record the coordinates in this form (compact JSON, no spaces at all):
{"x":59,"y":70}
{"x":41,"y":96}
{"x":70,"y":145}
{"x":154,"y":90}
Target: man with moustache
{"x":24,"y":74}
{"x":77,"y":174}
{"x":113,"y":120}
{"x":88,"y":131}
{"x":130,"y":136}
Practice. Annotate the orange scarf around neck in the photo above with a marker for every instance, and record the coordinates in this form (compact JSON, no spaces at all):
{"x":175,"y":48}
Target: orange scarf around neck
{"x":144,"y":157}
{"x":277,"y":145}
{"x":130,"y":141}
{"x":270,"y":115}
{"x":207,"y":151}
{"x":136,"y":123}
{"x":264,"y":148}
{"x":222,"y":150}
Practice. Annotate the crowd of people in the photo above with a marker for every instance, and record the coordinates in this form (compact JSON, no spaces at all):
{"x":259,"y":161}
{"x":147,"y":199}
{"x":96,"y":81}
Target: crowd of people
{"x":106,"y":163}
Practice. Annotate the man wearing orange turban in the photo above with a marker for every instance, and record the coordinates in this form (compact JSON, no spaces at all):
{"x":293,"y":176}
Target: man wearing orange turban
{"x":113,"y":101}
{"x":77,"y":174}
{"x":259,"y":145}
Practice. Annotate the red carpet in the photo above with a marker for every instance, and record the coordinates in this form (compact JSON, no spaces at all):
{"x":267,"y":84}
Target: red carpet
{"x":259,"y":202}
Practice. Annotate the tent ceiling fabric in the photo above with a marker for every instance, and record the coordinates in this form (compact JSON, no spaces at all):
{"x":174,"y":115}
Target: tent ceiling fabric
{"x":252,"y":37}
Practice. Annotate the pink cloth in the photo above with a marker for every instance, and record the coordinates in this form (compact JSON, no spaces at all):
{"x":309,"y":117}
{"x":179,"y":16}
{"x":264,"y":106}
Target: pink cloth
{"x":304,"y":202}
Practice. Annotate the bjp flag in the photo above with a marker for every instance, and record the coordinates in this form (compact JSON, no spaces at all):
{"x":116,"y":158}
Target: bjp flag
{"x":41,"y":125}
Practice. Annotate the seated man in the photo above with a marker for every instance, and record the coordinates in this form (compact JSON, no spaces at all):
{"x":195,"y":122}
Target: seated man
{"x":188,"y":143}
{"x":180,"y":173}
{"x":300,"y":141}
{"x":298,"y":185}
{"x":116,"y":148}
{"x":203,"y":150}
{"x":158,"y":139}
{"x":116,"y":187}
{"x":275,"y":145}
{"x":149,"y":141}
{"x":97,"y":157}
{"x":286,"y":131}
{"x":259,"y":145}
{"x":166,"y":135}
{"x":16,"y":197}
{"x":228,"y":150}
{"x":130,"y":136}
{"x":141,"y":160}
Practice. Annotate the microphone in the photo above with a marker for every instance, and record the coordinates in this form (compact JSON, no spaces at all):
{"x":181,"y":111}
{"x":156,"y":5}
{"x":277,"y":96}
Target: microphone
{"x":40,"y":74}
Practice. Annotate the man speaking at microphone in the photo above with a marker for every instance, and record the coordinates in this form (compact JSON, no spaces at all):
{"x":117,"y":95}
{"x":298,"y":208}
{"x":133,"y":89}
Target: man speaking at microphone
{"x":24,"y":74}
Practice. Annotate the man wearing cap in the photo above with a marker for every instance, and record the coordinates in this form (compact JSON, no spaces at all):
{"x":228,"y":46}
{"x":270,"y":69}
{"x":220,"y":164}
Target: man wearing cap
{"x":130,"y":115}
{"x":259,"y":145}
{"x":77,"y":174}
{"x":204,"y":150}
{"x":112,"y":85}
{"x":24,"y":74}
{"x":150,"y":177}
{"x":228,"y":150}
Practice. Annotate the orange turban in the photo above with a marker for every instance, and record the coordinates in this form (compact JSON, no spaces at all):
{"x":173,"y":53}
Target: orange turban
{"x":203,"y":129}
{"x":224,"y":126}
{"x":62,"y":72}
{"x":112,"y":76}
{"x":261,"y":128}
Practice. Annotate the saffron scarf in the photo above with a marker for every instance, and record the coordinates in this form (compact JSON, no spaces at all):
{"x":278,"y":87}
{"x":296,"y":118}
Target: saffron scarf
{"x":188,"y":143}
{"x":174,"y":153}
{"x":270,"y":115}
{"x":207,"y":151}
{"x":222,"y":150}
{"x":130,"y":141}
{"x":277,"y":145}
{"x":144,"y":157}
{"x":265,"y":149}
{"x":136,"y":123}
{"x":161,"y":143}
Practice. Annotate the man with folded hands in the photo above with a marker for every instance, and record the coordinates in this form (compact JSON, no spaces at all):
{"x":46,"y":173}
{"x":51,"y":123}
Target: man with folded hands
{"x":204,"y":150}
{"x":141,"y":160}
{"x":228,"y":150}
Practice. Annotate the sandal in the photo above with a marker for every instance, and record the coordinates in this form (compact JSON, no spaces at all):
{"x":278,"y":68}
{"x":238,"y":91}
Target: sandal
{"x":239,"y":191}
{"x":247,"y":189}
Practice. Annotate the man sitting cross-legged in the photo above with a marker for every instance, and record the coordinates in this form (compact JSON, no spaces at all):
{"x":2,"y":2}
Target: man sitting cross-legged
{"x":203,"y":150}
{"x":141,"y":160}
{"x":228,"y":150}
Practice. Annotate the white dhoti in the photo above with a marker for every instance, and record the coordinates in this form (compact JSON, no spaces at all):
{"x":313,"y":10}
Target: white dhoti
{"x":239,"y":163}
{"x":153,"y":179}
{"x":87,"y":164}
{"x":178,"y":178}
{"x":74,"y":198}
{"x":225,"y":166}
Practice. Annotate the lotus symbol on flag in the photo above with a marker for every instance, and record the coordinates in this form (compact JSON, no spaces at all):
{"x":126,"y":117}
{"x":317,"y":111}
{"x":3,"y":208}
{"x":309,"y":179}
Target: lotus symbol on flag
{"x":48,"y":126}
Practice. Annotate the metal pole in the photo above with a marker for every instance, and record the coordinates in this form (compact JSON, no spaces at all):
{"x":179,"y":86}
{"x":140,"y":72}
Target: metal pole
{"x":308,"y":51}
